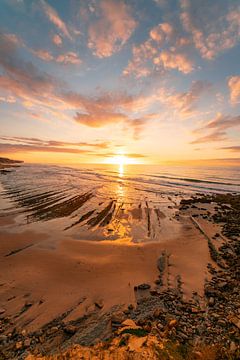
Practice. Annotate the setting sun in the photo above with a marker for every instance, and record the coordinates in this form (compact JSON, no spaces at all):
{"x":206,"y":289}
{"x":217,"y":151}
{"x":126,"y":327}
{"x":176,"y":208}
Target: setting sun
{"x":121,"y":160}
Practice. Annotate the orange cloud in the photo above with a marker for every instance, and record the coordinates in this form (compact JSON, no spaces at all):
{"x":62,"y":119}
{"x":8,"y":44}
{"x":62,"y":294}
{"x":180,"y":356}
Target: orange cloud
{"x":234,"y":87}
{"x":213,"y":136}
{"x":219,"y":125}
{"x":69,"y":58}
{"x":175,"y":60}
{"x":24,"y":144}
{"x":43,"y":54}
{"x":184,"y":102}
{"x":112,"y":30}
{"x":53,"y":16}
{"x":57,"y":40}
{"x":150,"y":57}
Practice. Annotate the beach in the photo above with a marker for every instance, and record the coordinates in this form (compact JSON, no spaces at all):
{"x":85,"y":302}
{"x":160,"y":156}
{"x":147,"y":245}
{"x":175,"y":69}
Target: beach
{"x":76,"y":260}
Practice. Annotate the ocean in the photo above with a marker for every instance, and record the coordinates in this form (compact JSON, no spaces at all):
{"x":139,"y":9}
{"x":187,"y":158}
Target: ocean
{"x":107,"y":201}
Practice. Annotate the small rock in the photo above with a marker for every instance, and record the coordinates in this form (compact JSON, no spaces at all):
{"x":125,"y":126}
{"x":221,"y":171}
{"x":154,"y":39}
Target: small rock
{"x":3,"y":338}
{"x":52,"y":330}
{"x":2,"y":311}
{"x":24,"y":332}
{"x":233,"y":347}
{"x":172,"y":323}
{"x":118,"y":317}
{"x":27,"y":342}
{"x":19,"y":345}
{"x":130,"y":323}
{"x":157,"y":312}
{"x":211,"y":301}
{"x":99,"y":304}
{"x":143,"y":286}
{"x":70,"y":329}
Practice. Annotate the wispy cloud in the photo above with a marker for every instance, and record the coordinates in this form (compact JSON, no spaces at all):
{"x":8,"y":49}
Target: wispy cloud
{"x":23,"y":144}
{"x":53,"y":16}
{"x":231,"y":148}
{"x":220,"y":124}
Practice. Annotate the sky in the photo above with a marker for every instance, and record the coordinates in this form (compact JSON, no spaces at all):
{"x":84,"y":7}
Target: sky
{"x":92,"y":81}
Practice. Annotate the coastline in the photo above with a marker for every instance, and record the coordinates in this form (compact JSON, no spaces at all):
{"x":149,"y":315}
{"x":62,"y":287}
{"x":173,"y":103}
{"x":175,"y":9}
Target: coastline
{"x":57,"y":291}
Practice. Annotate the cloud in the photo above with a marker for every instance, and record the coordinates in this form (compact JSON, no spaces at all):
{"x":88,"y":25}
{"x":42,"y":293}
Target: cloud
{"x":213,"y":136}
{"x":14,"y":39}
{"x":69,"y":58}
{"x":234,"y":87}
{"x":8,"y":99}
{"x":165,"y":49}
{"x":219,"y":125}
{"x":222,"y":122}
{"x":53,"y":16}
{"x":213,"y":27}
{"x":112,"y":29}
{"x":37,"y":89}
{"x":176,"y":61}
{"x":57,"y":40}
{"x":43,"y":54}
{"x":231,"y":148}
{"x":24,"y":144}
{"x":184,"y":103}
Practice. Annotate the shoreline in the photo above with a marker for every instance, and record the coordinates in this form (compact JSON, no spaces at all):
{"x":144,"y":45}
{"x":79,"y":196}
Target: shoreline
{"x":58,"y":289}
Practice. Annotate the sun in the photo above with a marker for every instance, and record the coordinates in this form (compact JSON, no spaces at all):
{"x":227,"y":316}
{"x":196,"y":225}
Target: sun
{"x":121,"y":160}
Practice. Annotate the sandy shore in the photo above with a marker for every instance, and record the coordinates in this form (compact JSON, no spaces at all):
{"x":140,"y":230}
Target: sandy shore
{"x":56,"y":275}
{"x":69,"y":258}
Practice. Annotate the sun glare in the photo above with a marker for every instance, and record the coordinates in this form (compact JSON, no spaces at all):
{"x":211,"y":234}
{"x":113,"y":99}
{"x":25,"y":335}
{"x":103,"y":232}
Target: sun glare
{"x":120,"y":160}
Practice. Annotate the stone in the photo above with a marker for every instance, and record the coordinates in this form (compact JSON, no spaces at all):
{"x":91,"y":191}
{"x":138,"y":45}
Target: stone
{"x":233,"y":347}
{"x":118,"y":317}
{"x":130,"y":323}
{"x":143,"y":286}
{"x":157,"y":312}
{"x":27,"y":342}
{"x":172,"y":323}
{"x":211,"y":301}
{"x":3,"y":338}
{"x":70,"y":329}
{"x":19,"y":345}
{"x":235,"y":321}
{"x":99,"y":304}
{"x":52,"y":330}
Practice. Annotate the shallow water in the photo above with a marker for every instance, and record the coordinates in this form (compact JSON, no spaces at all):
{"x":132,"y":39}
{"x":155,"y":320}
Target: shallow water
{"x":107,"y":202}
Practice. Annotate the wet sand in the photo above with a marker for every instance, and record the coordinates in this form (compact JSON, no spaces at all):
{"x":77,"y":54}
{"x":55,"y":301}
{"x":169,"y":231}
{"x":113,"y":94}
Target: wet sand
{"x":58,"y":274}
